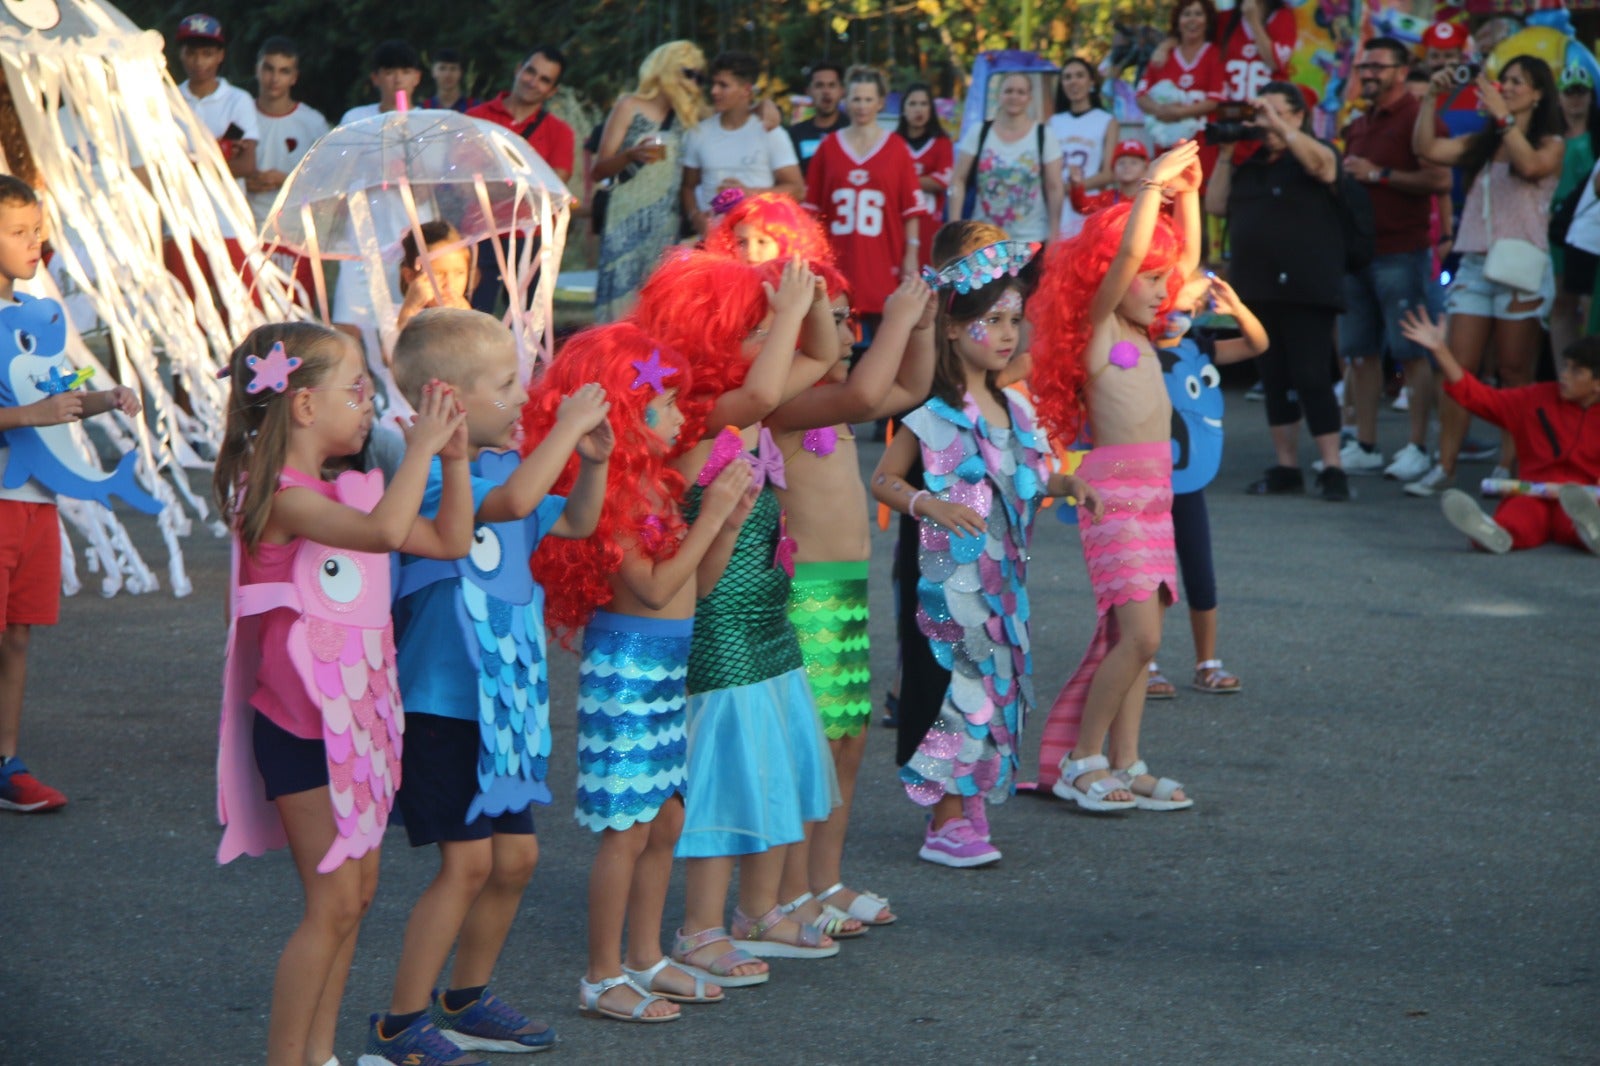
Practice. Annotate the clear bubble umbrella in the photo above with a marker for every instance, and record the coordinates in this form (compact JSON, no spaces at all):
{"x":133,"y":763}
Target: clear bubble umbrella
{"x":365,"y":185}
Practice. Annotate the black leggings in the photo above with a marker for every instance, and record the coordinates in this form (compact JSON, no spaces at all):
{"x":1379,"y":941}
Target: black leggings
{"x":1297,"y":367}
{"x":1191,"y":529}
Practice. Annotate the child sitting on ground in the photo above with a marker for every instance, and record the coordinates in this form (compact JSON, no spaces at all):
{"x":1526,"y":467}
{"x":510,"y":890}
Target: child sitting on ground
{"x":1548,"y":423}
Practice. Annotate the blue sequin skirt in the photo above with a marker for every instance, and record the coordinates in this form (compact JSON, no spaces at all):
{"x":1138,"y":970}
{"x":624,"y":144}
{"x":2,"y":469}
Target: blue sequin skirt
{"x":632,"y":737}
{"x":759,"y":768}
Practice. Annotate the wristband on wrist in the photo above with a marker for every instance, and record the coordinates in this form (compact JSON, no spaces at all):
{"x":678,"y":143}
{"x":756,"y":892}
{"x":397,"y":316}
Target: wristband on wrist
{"x":1506,"y":122}
{"x":913,"y":242}
{"x":911,"y":508}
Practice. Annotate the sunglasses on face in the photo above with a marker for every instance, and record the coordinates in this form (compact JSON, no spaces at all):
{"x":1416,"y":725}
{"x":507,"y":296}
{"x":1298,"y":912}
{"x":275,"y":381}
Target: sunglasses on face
{"x":694,"y":75}
{"x":359,"y":388}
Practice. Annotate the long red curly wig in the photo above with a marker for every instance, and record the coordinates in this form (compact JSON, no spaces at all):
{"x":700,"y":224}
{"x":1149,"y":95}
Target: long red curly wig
{"x":705,"y":305}
{"x":576,"y":573}
{"x":795,"y":230}
{"x":1059,"y":310}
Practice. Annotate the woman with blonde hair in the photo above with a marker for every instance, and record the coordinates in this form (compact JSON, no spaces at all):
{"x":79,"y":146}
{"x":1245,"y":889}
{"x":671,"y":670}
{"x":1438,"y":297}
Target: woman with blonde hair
{"x":639,"y":157}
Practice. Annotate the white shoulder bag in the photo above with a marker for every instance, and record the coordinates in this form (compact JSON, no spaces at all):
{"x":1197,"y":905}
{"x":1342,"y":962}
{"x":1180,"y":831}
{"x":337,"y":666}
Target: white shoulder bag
{"x":1511,"y":261}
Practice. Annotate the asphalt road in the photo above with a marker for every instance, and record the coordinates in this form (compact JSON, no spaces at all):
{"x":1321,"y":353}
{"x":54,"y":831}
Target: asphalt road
{"x":1392,"y":860}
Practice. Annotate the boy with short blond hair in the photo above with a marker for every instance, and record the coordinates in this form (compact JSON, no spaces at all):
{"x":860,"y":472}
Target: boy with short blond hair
{"x":30,"y":534}
{"x":471,"y":655}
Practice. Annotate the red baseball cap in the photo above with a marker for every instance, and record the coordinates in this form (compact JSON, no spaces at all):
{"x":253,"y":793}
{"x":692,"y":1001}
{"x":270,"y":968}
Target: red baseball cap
{"x":1444,"y":36}
{"x":201,"y":29}
{"x":1130,"y":147}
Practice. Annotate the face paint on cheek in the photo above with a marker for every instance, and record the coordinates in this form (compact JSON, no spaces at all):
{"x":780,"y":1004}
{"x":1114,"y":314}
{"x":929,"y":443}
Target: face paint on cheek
{"x":978,"y":331}
{"x":652,"y":417}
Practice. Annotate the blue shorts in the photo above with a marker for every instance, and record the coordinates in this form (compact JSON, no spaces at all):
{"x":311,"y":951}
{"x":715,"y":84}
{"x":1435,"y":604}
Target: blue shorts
{"x":1376,"y":297}
{"x":288,"y":763}
{"x":439,"y":779}
{"x":1473,"y":294}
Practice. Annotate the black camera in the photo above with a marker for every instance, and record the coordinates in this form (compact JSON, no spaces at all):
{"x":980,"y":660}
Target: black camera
{"x":1230,"y":123}
{"x":1464,"y":73}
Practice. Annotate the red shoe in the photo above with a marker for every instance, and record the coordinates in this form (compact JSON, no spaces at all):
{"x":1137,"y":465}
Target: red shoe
{"x":21,"y":791}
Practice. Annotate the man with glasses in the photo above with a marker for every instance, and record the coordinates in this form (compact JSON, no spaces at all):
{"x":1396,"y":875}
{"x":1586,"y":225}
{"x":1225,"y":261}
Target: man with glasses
{"x":1378,"y":154}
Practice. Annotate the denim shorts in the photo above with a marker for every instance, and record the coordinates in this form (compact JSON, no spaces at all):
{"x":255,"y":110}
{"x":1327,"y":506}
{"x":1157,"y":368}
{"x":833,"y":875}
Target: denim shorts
{"x":1473,"y":294}
{"x":1376,"y":297}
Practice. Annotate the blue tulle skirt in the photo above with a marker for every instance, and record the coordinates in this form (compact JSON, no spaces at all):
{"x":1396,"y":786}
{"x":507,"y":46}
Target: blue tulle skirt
{"x":632,"y":734}
{"x":759,"y":768}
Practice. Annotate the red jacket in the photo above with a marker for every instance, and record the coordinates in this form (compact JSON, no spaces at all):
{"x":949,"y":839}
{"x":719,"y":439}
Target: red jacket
{"x":1556,"y":440}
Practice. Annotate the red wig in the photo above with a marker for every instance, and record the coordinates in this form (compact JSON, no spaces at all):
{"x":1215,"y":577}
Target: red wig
{"x":1059,"y":310}
{"x":576,"y":573}
{"x":795,"y":230}
{"x":705,"y":306}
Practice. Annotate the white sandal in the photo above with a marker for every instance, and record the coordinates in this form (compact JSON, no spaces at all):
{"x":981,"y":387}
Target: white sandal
{"x":1160,"y":798}
{"x":646,"y":979}
{"x":589,"y":994}
{"x":1094,"y":797}
{"x":832,"y":920}
{"x":865,"y":908}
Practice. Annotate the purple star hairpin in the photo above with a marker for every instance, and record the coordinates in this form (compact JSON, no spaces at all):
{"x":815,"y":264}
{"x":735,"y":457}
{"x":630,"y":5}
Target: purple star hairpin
{"x":652,"y":373}
{"x":983,"y":267}
{"x":272,"y":372}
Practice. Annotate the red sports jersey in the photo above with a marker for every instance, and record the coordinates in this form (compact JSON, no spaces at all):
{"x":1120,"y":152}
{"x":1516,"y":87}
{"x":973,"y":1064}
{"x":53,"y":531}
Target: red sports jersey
{"x":1200,"y":80}
{"x":935,"y":159}
{"x":864,"y":204}
{"x":1245,"y":70}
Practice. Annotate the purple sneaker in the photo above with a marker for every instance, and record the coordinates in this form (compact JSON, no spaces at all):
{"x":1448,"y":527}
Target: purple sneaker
{"x":957,"y":844}
{"x":976,"y":811}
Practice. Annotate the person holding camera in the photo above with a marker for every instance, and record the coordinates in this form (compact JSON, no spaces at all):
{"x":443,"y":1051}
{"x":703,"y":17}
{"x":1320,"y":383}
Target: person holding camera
{"x":1504,"y":286}
{"x":1378,"y":154}
{"x":1287,"y":241}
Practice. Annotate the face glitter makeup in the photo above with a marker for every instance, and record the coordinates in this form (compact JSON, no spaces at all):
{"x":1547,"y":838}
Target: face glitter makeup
{"x":978,"y":330}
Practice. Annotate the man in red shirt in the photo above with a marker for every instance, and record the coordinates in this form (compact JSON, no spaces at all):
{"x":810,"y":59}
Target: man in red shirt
{"x":1401,"y":187}
{"x":521,"y":109}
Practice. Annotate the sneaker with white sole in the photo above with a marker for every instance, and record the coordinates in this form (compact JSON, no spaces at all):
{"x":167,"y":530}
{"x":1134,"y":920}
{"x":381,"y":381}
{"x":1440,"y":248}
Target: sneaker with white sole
{"x":1432,"y":483}
{"x":1584,"y":510}
{"x":488,"y":1023}
{"x":1356,"y":459}
{"x":1402,"y":402}
{"x":1463,"y":512}
{"x":1409,"y":463}
{"x":957,"y":844}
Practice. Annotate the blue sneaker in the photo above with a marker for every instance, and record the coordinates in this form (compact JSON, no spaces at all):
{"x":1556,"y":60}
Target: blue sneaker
{"x":418,"y":1044}
{"x":488,"y":1023}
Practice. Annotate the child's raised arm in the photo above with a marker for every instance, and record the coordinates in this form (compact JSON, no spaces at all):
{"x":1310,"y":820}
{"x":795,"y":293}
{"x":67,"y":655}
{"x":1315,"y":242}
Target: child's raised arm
{"x":1166,"y":170}
{"x":768,"y":379}
{"x":1252,"y":339}
{"x":1188,"y":216}
{"x":530,"y":482}
{"x":886,"y":378}
{"x":1419,"y":327}
{"x":301,"y":512}
{"x":588,"y":496}
{"x":655,"y":582}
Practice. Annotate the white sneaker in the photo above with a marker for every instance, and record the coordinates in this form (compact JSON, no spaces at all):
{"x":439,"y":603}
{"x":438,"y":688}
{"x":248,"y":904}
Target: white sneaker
{"x":1463,"y":512}
{"x":1410,"y":463}
{"x":1432,"y":483}
{"x":1402,"y":402}
{"x":1579,"y":503}
{"x":1357,"y":460}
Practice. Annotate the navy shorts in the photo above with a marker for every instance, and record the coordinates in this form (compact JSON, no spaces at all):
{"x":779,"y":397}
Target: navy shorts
{"x":439,"y":779}
{"x":288,"y":763}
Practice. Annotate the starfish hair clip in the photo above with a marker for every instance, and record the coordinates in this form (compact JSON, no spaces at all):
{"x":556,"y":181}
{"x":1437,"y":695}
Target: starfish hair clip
{"x":651,"y":372}
{"x":272,"y":372}
{"x":983,"y":267}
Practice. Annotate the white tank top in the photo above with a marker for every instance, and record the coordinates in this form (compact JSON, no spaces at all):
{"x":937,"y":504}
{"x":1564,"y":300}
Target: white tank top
{"x":1083,"y":141}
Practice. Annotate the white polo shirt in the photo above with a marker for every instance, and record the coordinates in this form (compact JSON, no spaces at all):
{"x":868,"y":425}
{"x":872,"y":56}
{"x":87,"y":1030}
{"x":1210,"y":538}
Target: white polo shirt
{"x":285,"y":139}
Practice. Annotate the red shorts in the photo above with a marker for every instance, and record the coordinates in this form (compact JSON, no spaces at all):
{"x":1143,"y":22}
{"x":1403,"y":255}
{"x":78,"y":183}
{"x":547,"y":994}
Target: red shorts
{"x":30,"y":564}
